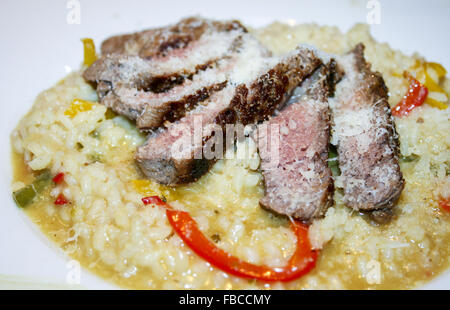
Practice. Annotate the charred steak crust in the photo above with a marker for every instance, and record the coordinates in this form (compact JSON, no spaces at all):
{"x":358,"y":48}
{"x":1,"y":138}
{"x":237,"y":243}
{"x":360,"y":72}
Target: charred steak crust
{"x":368,"y":158}
{"x":256,"y":102}
{"x":174,"y":110}
{"x":300,"y":184}
{"x":116,"y":75}
{"x":160,"y":42}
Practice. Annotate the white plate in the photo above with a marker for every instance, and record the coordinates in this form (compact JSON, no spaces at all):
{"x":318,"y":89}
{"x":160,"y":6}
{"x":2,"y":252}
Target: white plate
{"x":39,"y":45}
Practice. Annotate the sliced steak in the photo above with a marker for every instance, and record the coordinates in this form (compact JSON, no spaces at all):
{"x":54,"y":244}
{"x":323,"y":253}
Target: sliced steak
{"x":124,"y":84}
{"x":165,"y":108}
{"x":365,"y":136}
{"x":161,"y":42}
{"x":175,"y":155}
{"x":262,"y":86}
{"x":199,"y":55}
{"x":257,"y":100}
{"x":299,"y":182}
{"x":151,"y":109}
{"x":119,"y":72}
{"x":173,"y":104}
{"x":164,"y":88}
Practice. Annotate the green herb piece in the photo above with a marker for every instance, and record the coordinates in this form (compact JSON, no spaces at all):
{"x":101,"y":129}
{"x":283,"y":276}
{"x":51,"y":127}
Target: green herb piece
{"x":409,"y":159}
{"x":95,"y":158}
{"x":94,"y":134}
{"x":110,"y":114}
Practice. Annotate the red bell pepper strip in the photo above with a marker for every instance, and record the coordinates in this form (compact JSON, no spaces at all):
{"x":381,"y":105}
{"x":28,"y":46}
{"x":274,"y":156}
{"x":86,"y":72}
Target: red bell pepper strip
{"x":302,"y":261}
{"x":59,"y":178}
{"x":416,"y":95}
{"x":152,"y":200}
{"x":61,"y":200}
{"x":444,"y":203}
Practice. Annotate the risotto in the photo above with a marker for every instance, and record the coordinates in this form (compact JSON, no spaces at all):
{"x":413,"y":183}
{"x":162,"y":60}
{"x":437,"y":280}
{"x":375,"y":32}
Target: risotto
{"x":109,"y":230}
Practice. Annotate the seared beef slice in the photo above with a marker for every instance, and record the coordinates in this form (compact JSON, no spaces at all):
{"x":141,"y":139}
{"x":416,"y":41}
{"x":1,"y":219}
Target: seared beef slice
{"x":175,"y":155}
{"x":164,"y":85}
{"x":298,"y":181}
{"x":262,"y":86}
{"x":161,"y":42}
{"x":364,"y":132}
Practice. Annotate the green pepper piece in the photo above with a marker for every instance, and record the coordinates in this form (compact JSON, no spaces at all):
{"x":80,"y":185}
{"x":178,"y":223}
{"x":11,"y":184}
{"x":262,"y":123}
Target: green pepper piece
{"x":333,"y":162}
{"x":42,"y":181}
{"x":25,"y":196}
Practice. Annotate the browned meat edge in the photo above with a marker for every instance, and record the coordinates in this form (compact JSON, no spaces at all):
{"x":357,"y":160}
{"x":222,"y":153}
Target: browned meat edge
{"x":256,"y":102}
{"x":371,"y":176}
{"x":135,"y":87}
{"x":300,"y":183}
{"x":154,"y":114}
{"x":246,"y":104}
{"x":174,"y":110}
{"x":117,"y":74}
{"x":161,"y":41}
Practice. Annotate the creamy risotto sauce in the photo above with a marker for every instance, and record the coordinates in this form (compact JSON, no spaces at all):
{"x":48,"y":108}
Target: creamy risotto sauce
{"x":109,"y":230}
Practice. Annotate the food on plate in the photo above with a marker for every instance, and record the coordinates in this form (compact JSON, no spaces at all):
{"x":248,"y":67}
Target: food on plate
{"x":208,"y":155}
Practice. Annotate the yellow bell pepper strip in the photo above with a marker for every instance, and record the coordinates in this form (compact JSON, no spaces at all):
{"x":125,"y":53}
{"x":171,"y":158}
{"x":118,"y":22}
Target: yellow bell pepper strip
{"x":150,"y":188}
{"x":89,"y":51}
{"x":434,"y":102}
{"x":145,"y":187}
{"x":438,"y":68}
{"x":77,"y":106}
{"x":416,"y":95}
{"x":302,"y":261}
{"x":436,"y":96}
{"x":429,"y":74}
{"x":431,"y":84}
